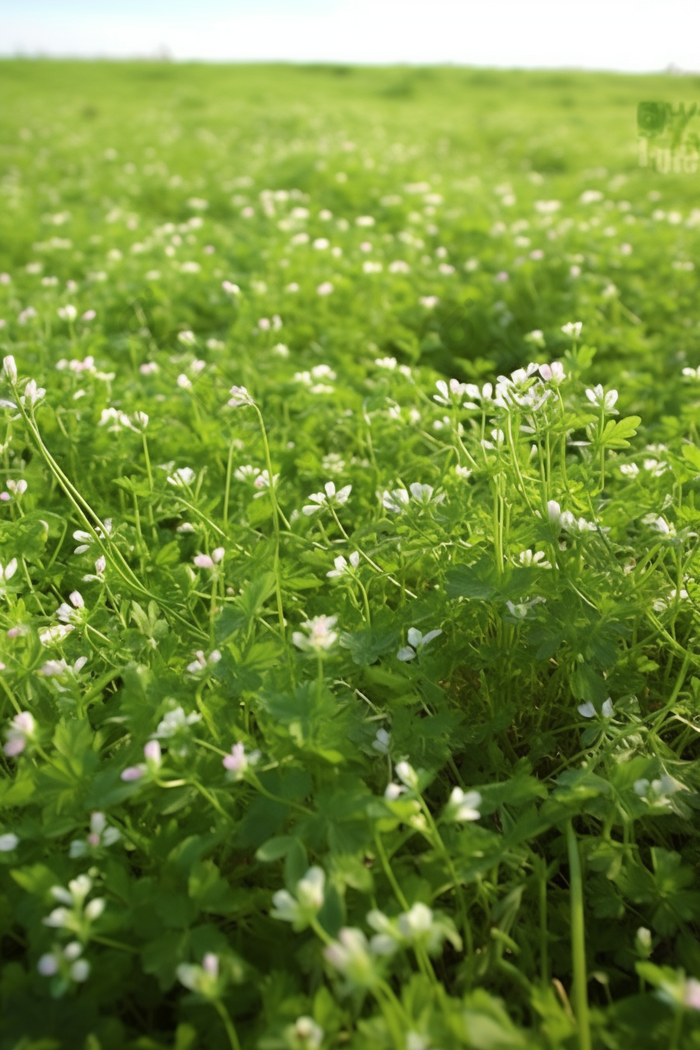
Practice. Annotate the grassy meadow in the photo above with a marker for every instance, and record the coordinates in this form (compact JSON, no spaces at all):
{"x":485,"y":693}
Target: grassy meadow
{"x":349,"y":569}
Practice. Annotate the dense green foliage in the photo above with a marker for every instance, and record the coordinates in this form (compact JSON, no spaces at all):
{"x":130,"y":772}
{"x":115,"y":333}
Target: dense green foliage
{"x":349,"y":562}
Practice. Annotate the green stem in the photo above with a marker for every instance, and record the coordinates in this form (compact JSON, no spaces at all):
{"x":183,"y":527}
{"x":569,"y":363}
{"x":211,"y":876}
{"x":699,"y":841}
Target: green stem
{"x":227,"y":1023}
{"x":578,"y":942}
{"x":275,"y":521}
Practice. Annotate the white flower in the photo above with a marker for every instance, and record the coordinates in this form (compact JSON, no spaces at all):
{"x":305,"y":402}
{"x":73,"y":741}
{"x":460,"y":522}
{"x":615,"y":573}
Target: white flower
{"x":407,"y":775}
{"x":572,"y":328}
{"x":304,"y":1034}
{"x":451,"y":394}
{"x":343,"y":567}
{"x":67,"y":313}
{"x":328,"y":498}
{"x":520,"y":610}
{"x":181,"y":477}
{"x":351,"y":956}
{"x":202,"y":662}
{"x":152,"y":754}
{"x":307,"y":901}
{"x":230,"y":289}
{"x":382,"y":742}
{"x":175,"y":722}
{"x":9,"y":368}
{"x":319,"y":636}
{"x":429,"y":301}
{"x":32,"y":393}
{"x":660,"y":525}
{"x":398,"y":499}
{"x":7,"y":571}
{"x":587,"y":710}
{"x":239,"y":397}
{"x":598,"y":397}
{"x":462,"y":806}
{"x":416,"y":642}
{"x":8,"y":842}
{"x":531,"y":558}
{"x":187,"y":338}
{"x":325,"y":288}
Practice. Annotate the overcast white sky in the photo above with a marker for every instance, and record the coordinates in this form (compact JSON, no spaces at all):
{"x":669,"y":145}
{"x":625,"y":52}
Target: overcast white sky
{"x":626,"y":35}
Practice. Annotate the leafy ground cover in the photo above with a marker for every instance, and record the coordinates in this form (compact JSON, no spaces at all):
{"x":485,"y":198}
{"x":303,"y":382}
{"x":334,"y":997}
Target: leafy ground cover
{"x":349,"y":588}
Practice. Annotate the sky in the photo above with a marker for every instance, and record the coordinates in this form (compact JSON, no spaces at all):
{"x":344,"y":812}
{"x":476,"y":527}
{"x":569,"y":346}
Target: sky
{"x":623,"y":35}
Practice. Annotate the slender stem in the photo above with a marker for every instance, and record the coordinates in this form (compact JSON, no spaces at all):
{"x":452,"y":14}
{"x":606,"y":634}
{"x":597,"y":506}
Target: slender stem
{"x":275,"y":521}
{"x":578,"y":942}
{"x":228,"y":1024}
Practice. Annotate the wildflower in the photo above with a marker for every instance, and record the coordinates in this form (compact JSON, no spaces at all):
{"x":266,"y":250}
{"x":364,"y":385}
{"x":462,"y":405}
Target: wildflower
{"x":239,"y":397}
{"x":520,"y":610}
{"x":204,"y":979}
{"x":307,"y":901}
{"x":202,"y":662}
{"x":352,"y":957}
{"x":262,"y":482}
{"x":657,"y":792}
{"x":462,"y":806}
{"x":304,"y":1034}
{"x":392,"y":791}
{"x":66,"y":965}
{"x":587,"y":710}
{"x":6,"y":573}
{"x":660,"y":525}
{"x":32,"y":393}
{"x":56,"y":633}
{"x":59,"y":668}
{"x":419,"y":925}
{"x":416,"y":643}
{"x":9,"y":368}
{"x":187,"y":338}
{"x":100,"y":835}
{"x":175,"y":723}
{"x":8,"y":842}
{"x":429,"y":301}
{"x":67,"y":313}
{"x":325,"y":288}
{"x":450,"y":395}
{"x":533,"y":558}
{"x":230,"y":288}
{"x":21,"y":731}
{"x":398,"y":499}
{"x":343,"y":567}
{"x":75,"y":612}
{"x":119,"y":420}
{"x":74,"y":914}
{"x":553,"y":373}
{"x":319,"y":636}
{"x":600,"y":399}
{"x":153,"y":762}
{"x":182,"y":476}
{"x":184,"y":382}
{"x":382,"y":742}
{"x":86,"y":538}
{"x":238,"y":761}
{"x":407,"y":775}
{"x":328,"y":498}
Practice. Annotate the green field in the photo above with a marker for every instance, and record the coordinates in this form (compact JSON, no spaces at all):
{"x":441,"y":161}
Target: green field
{"x":349,"y":571}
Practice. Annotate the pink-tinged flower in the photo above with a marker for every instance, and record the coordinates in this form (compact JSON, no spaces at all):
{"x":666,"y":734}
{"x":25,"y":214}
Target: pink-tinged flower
{"x":203,"y":561}
{"x":148,"y":368}
{"x":89,"y":315}
{"x":18,"y":487}
{"x":239,"y":397}
{"x":319,"y":636}
{"x":153,"y":757}
{"x":238,"y":762}
{"x":230,"y":288}
{"x":73,"y":613}
{"x":553,"y":373}
{"x":20,"y":732}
